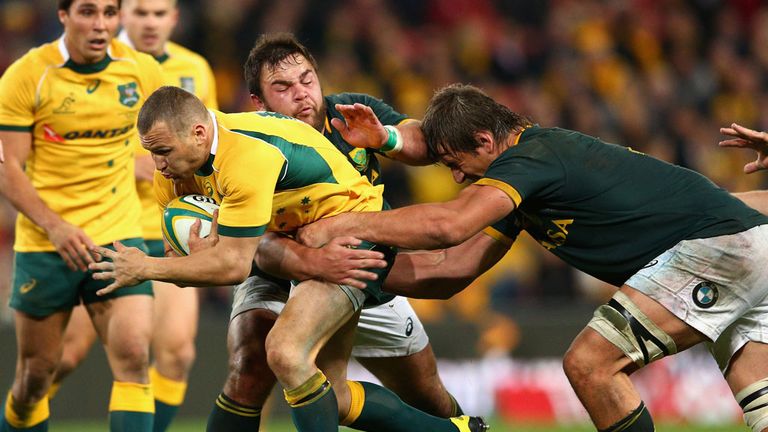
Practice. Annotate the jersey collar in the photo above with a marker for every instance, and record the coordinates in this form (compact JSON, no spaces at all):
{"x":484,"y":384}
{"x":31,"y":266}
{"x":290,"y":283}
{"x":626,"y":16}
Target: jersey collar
{"x":207,"y":168}
{"x":83,"y":68}
{"x":123,"y":37}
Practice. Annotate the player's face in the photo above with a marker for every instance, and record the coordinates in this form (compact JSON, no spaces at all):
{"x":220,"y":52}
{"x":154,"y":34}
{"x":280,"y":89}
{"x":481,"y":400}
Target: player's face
{"x":293,"y":89}
{"x":466,"y":165}
{"x":149,"y":23}
{"x":89,"y":26}
{"x":176,"y":157}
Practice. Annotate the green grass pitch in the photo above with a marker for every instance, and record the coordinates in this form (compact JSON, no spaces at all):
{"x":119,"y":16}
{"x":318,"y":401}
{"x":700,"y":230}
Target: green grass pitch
{"x":278,"y":425}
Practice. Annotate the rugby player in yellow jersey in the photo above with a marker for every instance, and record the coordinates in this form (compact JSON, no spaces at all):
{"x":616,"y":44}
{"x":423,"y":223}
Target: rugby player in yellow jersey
{"x":270,"y":171}
{"x":67,"y":117}
{"x":147,"y":27}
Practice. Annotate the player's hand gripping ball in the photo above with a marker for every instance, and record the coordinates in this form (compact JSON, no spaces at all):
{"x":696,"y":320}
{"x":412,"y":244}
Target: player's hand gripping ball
{"x":180,"y":214}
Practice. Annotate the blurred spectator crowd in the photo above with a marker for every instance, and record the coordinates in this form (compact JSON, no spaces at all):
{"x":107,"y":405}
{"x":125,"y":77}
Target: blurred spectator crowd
{"x":659,"y":76}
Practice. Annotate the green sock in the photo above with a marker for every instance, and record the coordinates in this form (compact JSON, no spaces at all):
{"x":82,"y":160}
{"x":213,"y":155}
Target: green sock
{"x":314,"y":407}
{"x":638,"y":421}
{"x":164,"y":415}
{"x":130,"y":421}
{"x":384,"y":411}
{"x":131,"y":407}
{"x":169,"y":395}
{"x":230,"y":416}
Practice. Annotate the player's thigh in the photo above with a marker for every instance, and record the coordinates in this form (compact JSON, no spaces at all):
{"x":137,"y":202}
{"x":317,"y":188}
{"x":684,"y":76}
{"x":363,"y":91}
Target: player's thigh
{"x":40,"y":338}
{"x":176,"y":313}
{"x":79,"y":336}
{"x":747,"y":366}
{"x":314,"y":312}
{"x":124,"y":325}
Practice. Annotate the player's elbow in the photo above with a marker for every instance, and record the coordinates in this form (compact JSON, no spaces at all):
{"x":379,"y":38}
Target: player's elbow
{"x":447,"y":232}
{"x":234,"y":271}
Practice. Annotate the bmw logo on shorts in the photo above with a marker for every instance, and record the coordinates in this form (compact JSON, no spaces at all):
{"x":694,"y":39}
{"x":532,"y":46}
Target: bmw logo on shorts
{"x":705,"y":295}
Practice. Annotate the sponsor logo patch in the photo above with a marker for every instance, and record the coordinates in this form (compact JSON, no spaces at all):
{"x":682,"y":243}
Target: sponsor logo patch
{"x":705,"y":295}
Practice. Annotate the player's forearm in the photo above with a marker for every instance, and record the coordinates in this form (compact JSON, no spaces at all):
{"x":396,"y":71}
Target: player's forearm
{"x":442,"y":274}
{"x":209,"y":267}
{"x":414,"y":151}
{"x":424,"y":226}
{"x":18,"y":190}
{"x":285,"y":258}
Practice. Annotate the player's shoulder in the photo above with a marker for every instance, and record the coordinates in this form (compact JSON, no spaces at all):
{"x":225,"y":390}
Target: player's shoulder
{"x":39,"y":58}
{"x":122,"y":52}
{"x":183,"y":53}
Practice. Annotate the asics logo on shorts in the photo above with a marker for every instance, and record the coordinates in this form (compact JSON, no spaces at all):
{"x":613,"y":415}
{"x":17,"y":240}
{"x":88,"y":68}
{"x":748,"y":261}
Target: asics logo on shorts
{"x":651,"y":264}
{"x":27,"y":287}
{"x":705,"y":295}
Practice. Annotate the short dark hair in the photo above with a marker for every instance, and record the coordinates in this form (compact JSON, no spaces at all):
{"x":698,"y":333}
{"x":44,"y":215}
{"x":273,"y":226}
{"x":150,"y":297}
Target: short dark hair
{"x":65,"y":4}
{"x":457,"y":112}
{"x":270,"y":50}
{"x":176,"y":107}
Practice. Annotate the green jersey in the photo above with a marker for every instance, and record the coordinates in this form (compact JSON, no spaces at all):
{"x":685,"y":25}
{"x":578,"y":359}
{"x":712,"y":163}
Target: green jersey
{"x":363,"y":159}
{"x":606,"y":209}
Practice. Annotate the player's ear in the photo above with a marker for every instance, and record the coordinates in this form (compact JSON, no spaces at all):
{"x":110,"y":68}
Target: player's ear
{"x":485,"y":140}
{"x":175,"y":15}
{"x":63,"y":15}
{"x":258,"y":104}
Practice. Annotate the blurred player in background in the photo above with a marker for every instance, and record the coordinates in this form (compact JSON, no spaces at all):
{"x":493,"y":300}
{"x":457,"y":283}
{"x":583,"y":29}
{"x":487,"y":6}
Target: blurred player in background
{"x":147,"y":26}
{"x":391,"y":341}
{"x":689,"y":258}
{"x":67,"y":117}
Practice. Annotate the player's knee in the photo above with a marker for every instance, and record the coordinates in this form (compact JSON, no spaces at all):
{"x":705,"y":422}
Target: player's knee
{"x":578,"y":365}
{"x":34,"y":378}
{"x":132,"y":357}
{"x":754,"y":402}
{"x":284,"y":357}
{"x":176,"y":361}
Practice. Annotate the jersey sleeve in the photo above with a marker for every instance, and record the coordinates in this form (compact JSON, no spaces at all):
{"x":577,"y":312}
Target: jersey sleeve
{"x":505,"y":230}
{"x":530,"y":171}
{"x":248,"y":184}
{"x":17,"y":104}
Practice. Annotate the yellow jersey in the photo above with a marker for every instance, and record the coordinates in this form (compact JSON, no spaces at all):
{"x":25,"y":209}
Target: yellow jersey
{"x":82,"y":119}
{"x":272,"y":172}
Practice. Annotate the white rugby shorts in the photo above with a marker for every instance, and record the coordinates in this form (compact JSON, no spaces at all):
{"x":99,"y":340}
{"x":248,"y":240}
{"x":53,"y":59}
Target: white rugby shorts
{"x":388,"y":330}
{"x":717,"y":285}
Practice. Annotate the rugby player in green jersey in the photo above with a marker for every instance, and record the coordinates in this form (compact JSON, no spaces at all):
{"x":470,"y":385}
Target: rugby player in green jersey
{"x":67,"y":117}
{"x":273,"y":172}
{"x":390,"y":340}
{"x":687,"y":256}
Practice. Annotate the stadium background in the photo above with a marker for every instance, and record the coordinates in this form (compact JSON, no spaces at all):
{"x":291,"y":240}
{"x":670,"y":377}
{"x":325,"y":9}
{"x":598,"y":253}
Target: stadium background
{"x":659,"y":76}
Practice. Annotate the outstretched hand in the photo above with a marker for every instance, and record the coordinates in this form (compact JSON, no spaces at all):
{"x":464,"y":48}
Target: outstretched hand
{"x":747,"y":138}
{"x":362,"y":128}
{"x":125,"y":266}
{"x":318,"y":233}
{"x":340,"y":263}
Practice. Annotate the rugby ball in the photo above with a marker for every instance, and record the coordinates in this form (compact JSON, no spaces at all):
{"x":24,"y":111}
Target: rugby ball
{"x":180,"y":214}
